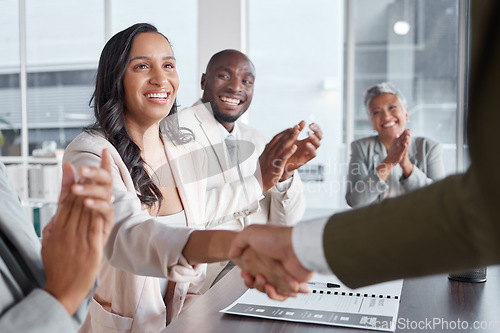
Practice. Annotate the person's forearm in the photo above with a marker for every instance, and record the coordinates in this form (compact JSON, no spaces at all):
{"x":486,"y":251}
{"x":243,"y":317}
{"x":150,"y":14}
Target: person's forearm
{"x":205,"y":246}
{"x":366,"y":190}
{"x":70,"y":299}
{"x":443,"y":230}
{"x":39,"y":311}
{"x":407,"y":167}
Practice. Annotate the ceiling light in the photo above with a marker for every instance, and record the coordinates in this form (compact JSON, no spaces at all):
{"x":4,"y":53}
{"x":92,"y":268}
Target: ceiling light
{"x":401,"y":28}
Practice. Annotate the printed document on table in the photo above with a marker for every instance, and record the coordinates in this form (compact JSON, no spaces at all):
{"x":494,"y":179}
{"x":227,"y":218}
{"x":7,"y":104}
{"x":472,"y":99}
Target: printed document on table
{"x":373,"y":307}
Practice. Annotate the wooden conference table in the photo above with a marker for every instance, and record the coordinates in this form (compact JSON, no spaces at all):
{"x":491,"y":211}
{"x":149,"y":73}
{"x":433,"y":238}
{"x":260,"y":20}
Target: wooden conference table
{"x":426,"y":305}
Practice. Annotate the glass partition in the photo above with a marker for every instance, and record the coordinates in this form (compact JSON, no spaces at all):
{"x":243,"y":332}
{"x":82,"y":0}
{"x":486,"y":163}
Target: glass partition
{"x":300,"y":51}
{"x":63,"y":42}
{"x":414,"y":45}
{"x":10,"y":94}
{"x":297,"y":49}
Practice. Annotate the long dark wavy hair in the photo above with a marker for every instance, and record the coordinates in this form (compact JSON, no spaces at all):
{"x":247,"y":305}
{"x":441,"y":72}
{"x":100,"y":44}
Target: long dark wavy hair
{"x":108,"y":102}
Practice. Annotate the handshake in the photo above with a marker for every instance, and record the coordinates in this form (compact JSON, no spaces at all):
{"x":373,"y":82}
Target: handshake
{"x":264,"y":252}
{"x":266,"y":257}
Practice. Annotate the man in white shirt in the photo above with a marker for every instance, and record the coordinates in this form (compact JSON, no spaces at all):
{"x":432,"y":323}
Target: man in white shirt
{"x":235,"y":150}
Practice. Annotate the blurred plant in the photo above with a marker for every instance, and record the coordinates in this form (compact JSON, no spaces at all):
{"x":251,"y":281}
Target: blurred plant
{"x":2,"y":139}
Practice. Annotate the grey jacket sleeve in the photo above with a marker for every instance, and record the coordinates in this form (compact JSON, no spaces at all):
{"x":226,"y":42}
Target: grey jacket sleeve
{"x":429,"y":166}
{"x":441,"y":228}
{"x":363,"y":185}
{"x":38,"y":311}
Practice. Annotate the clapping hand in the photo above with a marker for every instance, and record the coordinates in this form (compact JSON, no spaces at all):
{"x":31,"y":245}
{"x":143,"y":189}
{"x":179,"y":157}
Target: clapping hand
{"x":397,"y":154}
{"x":273,"y":159}
{"x":398,"y":150}
{"x":284,"y":154}
{"x":73,"y":241}
{"x":306,"y":150}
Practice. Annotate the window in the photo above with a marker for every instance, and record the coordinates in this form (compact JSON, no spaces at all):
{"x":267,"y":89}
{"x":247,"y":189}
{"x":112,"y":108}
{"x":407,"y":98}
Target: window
{"x":297,"y":52}
{"x":63,"y":41}
{"x":415,"y":46}
{"x":303,"y":53}
{"x":10,"y":95}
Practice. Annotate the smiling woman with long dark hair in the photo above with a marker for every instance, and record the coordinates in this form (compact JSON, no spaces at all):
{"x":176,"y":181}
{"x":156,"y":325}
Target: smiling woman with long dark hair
{"x":110,"y":110}
{"x":159,"y":188}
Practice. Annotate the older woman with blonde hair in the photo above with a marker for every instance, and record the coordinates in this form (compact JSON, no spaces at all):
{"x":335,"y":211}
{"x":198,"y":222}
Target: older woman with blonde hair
{"x":392,"y":162}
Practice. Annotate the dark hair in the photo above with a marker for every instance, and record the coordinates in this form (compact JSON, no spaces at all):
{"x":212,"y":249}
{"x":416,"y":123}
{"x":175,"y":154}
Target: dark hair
{"x":224,"y":53}
{"x":108,"y":103}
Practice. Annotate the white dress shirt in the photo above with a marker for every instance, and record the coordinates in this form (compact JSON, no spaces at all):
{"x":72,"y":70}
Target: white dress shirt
{"x":280,"y":186}
{"x":307,"y":242}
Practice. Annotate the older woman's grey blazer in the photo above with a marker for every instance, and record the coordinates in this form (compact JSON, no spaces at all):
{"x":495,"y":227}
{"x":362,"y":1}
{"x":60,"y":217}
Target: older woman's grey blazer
{"x":363,"y":183}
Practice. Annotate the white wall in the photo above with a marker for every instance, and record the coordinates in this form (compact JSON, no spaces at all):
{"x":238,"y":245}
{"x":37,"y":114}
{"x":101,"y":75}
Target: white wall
{"x":221,"y":25}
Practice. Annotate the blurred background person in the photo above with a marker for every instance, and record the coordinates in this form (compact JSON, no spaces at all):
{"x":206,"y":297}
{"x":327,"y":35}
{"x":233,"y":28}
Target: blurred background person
{"x":392,"y":162}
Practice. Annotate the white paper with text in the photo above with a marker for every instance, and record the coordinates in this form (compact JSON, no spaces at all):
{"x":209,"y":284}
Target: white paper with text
{"x":374,"y":307}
